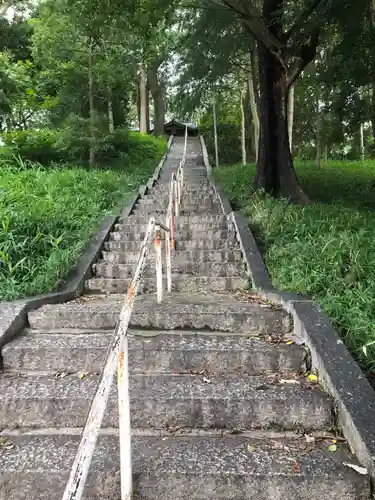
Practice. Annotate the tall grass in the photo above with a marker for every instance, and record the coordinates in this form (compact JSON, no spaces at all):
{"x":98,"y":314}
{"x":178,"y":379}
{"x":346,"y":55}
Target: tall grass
{"x":48,"y":215}
{"x":325,"y":250}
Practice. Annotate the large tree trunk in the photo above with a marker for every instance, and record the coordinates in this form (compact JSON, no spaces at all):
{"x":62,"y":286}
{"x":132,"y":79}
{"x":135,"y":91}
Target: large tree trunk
{"x":275,"y":173}
{"x":253,"y":104}
{"x":243,"y":129}
{"x":91,"y":105}
{"x":158,"y":95}
{"x":143,"y":100}
{"x":291,"y":117}
{"x":372,"y":112}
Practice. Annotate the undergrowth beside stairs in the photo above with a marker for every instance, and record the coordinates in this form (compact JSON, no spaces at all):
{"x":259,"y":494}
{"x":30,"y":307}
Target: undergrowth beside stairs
{"x":325,"y":250}
{"x":47,"y":216}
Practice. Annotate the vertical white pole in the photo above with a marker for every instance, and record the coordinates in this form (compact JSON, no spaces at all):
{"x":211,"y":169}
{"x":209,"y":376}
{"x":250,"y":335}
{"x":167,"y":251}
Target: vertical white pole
{"x":124,"y":422}
{"x":168,"y":257}
{"x":176,"y":203}
{"x":215,"y":128}
{"x":159,"y":268}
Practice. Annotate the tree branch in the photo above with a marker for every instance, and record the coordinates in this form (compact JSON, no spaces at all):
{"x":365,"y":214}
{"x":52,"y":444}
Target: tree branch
{"x":302,"y":18}
{"x":251,"y":18}
{"x":307,"y":54}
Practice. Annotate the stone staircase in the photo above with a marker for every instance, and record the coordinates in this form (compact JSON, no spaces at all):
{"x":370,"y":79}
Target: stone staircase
{"x":221,"y":408}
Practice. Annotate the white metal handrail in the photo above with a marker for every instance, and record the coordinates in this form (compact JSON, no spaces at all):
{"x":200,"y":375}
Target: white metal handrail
{"x":118,"y":354}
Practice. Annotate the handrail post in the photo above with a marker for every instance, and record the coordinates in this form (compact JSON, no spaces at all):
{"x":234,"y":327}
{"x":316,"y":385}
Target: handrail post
{"x":175,"y":194}
{"x":124,"y":422}
{"x":168,"y":258}
{"x":159,"y":267}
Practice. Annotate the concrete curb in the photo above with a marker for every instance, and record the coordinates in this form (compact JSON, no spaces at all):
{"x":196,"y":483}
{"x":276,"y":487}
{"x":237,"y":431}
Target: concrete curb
{"x":339,"y":373}
{"x":13,"y":315}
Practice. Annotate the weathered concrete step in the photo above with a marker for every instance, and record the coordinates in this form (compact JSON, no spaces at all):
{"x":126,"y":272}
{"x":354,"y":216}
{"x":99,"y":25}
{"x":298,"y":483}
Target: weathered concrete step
{"x":229,"y":468}
{"x":153,"y":351}
{"x":196,"y":206}
{"x":181,"y":245}
{"x":180,"y":283}
{"x":212,"y":269}
{"x":182,"y":219}
{"x":179,"y":226}
{"x":187,"y":191}
{"x":187,"y":198}
{"x":162,"y":401}
{"x":194,"y":233}
{"x":217,"y":312}
{"x":178,"y":257}
{"x":148,"y":211}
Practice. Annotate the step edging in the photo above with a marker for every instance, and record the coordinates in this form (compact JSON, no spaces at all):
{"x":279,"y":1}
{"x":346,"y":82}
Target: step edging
{"x":338,"y":371}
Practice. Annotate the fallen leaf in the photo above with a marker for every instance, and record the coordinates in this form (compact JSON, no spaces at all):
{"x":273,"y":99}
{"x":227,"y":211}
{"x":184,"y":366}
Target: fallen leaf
{"x":296,"y":468}
{"x":357,"y":468}
{"x":312,"y":378}
{"x":309,"y":439}
{"x":334,"y":441}
{"x":332,"y":447}
{"x":250,"y":448}
{"x":6,"y":444}
{"x":289,"y":342}
{"x":82,"y":375}
{"x":146,"y":341}
{"x":289,"y":381}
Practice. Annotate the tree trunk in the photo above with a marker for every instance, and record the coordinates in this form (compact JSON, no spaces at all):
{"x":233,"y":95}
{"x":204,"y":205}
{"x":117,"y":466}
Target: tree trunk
{"x":325,"y":152}
{"x":362,"y":142}
{"x":158,"y":95}
{"x":143,"y":100}
{"x":318,"y":123}
{"x":111,"y":122}
{"x":91,"y":105}
{"x":275,"y":173}
{"x":243,"y":129}
{"x":372,"y":113}
{"x":291,"y":117}
{"x":215,"y":129}
{"x":253,"y":105}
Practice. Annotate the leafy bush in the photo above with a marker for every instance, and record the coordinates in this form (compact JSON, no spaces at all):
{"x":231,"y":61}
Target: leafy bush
{"x":324,"y":250}
{"x":72,"y":145}
{"x":229,"y":140}
{"x":35,"y":145}
{"x":47,"y":216}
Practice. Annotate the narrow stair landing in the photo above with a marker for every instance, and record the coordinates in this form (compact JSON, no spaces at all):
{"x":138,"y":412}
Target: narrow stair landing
{"x":221,"y":408}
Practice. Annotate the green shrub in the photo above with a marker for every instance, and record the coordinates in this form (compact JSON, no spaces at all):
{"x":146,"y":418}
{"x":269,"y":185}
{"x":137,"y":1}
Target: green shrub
{"x":229,"y":141}
{"x":72,"y":145}
{"x":324,"y":250}
{"x":47,"y":216}
{"x":35,"y":145}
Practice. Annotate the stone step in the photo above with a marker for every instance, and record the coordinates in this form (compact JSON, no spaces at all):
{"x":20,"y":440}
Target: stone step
{"x":181,"y":245}
{"x":196,"y":206}
{"x":212,"y":269}
{"x":178,"y":257}
{"x":180,"y":283}
{"x":182,"y":219}
{"x":179,"y":226}
{"x":199,"y":468}
{"x":162,"y":401}
{"x":149,"y":210}
{"x":153,"y":351}
{"x":195,"y":233}
{"x":187,"y":190}
{"x":217,"y":312}
{"x":187,"y":198}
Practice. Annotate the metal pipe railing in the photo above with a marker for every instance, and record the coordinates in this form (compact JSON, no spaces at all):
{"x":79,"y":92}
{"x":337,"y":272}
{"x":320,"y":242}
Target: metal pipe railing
{"x":118,"y":354}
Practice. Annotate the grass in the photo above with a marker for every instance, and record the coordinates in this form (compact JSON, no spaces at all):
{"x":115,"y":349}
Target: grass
{"x":325,"y":250}
{"x":48,"y":215}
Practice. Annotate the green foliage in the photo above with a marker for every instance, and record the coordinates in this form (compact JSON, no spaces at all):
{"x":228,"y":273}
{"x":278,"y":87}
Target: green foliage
{"x":229,"y":141}
{"x":47,"y":146}
{"x":324,"y":250}
{"x":35,"y":145}
{"x":47,"y":216}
